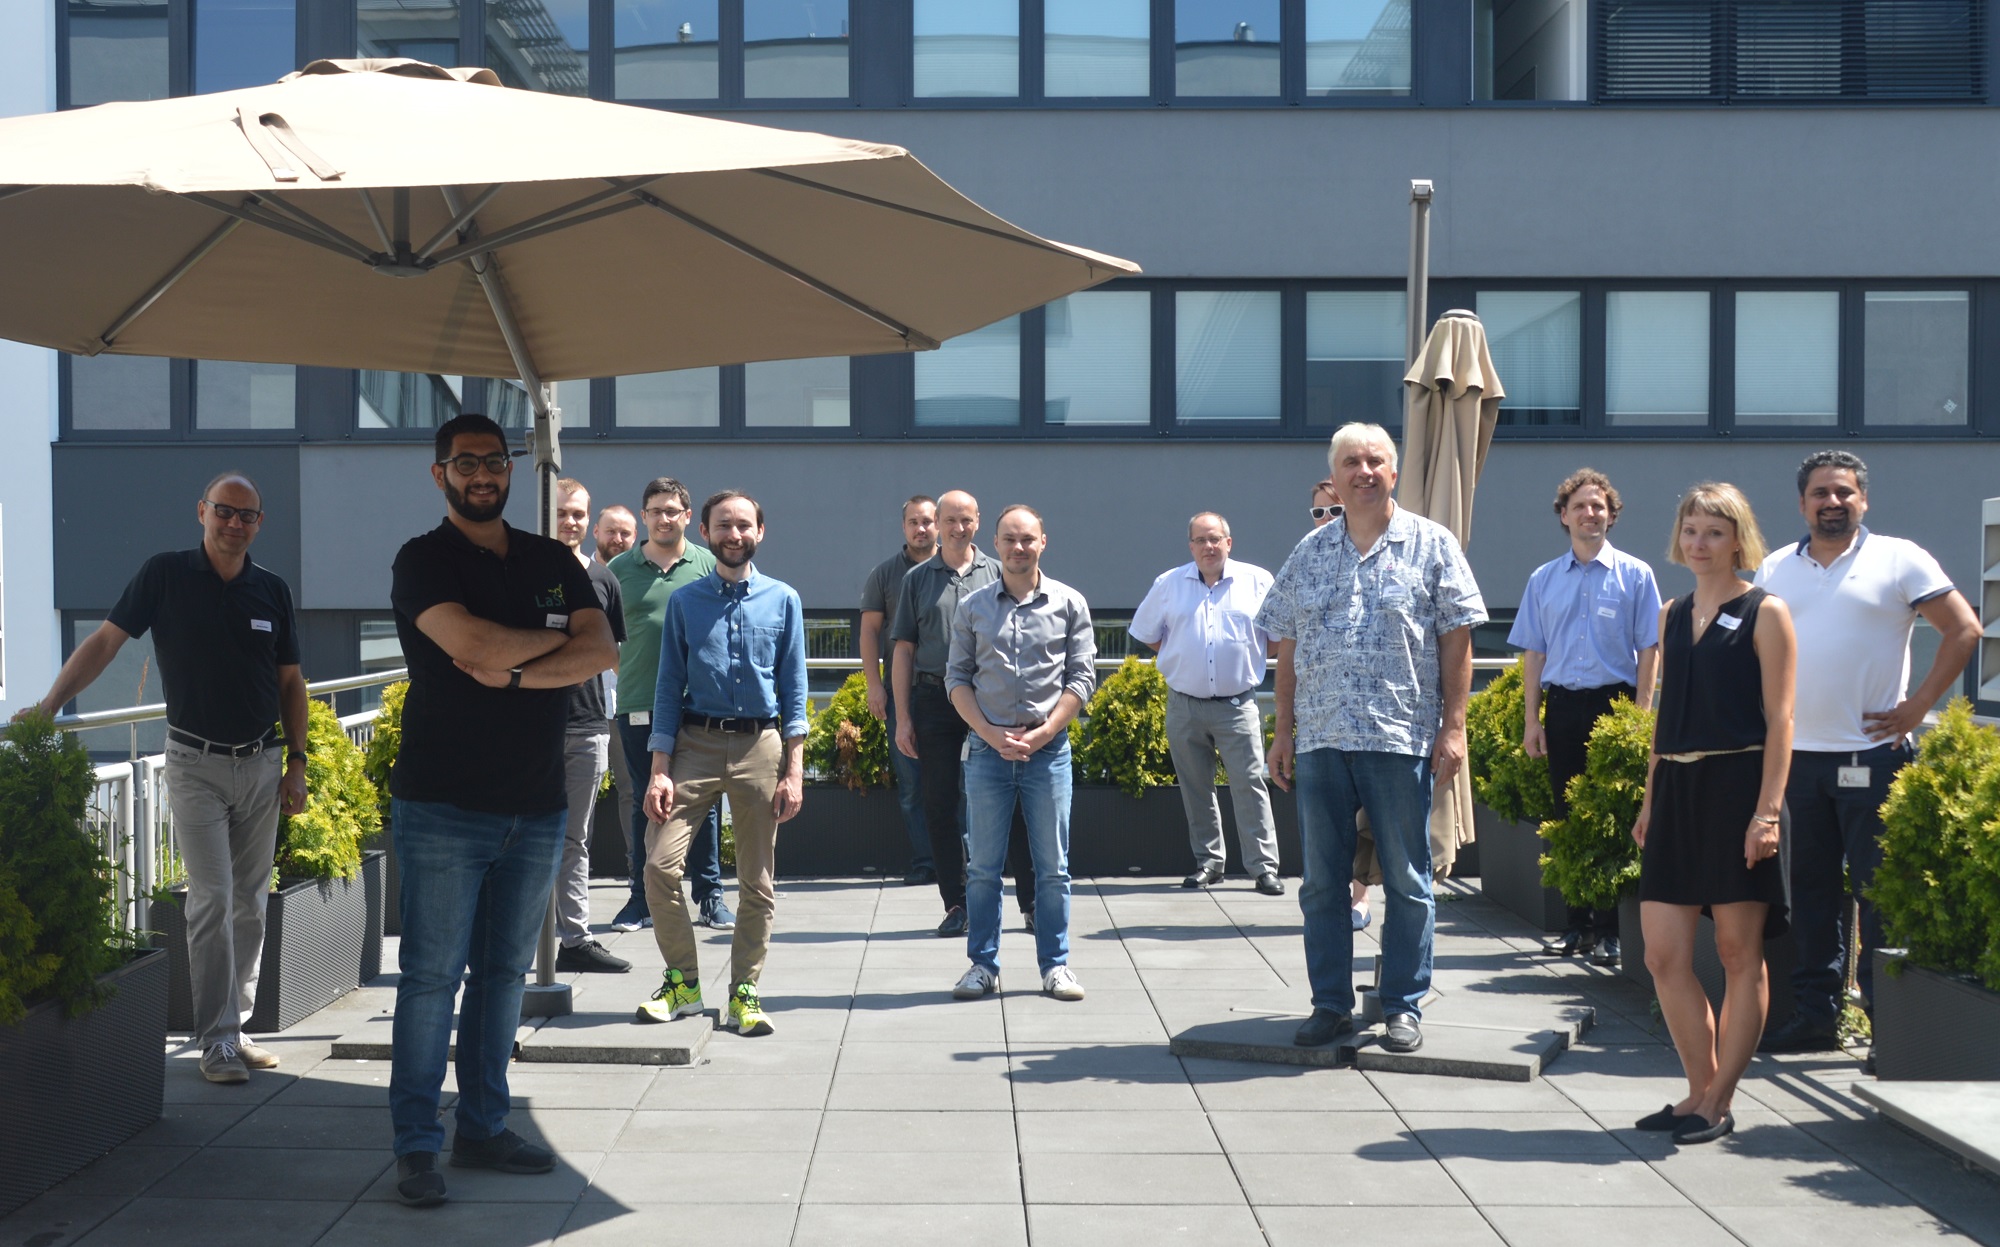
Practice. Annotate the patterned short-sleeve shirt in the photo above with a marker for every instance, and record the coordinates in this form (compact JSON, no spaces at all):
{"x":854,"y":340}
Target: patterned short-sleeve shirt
{"x":1366,"y":626}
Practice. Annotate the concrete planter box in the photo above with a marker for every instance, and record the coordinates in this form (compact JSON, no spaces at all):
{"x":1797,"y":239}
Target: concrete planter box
{"x":1779,"y":958}
{"x":1933,"y":1027}
{"x":316,"y":933}
{"x":839,"y":831}
{"x":1510,"y":870}
{"x":73,"y":1088}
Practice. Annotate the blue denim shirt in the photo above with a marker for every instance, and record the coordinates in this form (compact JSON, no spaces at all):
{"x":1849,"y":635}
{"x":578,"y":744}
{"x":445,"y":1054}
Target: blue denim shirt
{"x":1590,"y":619}
{"x":731,"y":651}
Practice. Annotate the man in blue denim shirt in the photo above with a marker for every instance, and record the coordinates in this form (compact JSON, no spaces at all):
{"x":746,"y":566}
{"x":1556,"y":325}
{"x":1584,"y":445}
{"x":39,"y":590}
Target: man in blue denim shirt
{"x":1374,"y":613}
{"x":729,"y":720}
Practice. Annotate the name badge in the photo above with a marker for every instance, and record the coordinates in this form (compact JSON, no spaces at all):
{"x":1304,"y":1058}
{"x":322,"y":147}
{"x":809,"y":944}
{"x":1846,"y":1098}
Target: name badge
{"x":1853,"y":777}
{"x":1395,"y":592}
{"x":260,"y":625}
{"x":1607,"y":612}
{"x":559,"y":622}
{"x":641,"y":718}
{"x":1728,"y":623}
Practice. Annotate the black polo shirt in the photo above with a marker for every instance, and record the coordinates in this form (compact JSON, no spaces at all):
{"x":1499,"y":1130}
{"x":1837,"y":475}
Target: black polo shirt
{"x":586,"y":700}
{"x":220,"y":642}
{"x":491,"y":750}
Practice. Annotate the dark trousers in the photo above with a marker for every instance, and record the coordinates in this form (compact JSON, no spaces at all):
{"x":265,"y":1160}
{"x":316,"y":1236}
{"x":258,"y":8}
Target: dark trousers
{"x":1832,"y":826}
{"x":1566,"y":723}
{"x":703,"y":870}
{"x":941,"y":734}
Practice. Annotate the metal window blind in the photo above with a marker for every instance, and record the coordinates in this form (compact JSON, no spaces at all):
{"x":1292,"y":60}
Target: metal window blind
{"x":1788,"y":50}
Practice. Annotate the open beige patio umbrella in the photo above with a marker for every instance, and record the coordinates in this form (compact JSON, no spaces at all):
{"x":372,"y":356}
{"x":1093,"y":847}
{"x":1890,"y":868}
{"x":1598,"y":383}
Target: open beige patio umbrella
{"x":1454,"y":402}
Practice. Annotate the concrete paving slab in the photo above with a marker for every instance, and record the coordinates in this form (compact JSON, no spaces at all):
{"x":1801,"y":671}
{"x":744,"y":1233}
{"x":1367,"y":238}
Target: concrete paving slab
{"x":602,"y":1223}
{"x":1377,"y":1133}
{"x":917,"y":1130}
{"x":1144,"y":1225}
{"x":369,"y":1041}
{"x":464,"y":1222}
{"x":635,"y":1178}
{"x":886,"y":1177}
{"x":1185,"y":1131}
{"x":1837,"y":1227}
{"x":1466,"y":1052}
{"x":1508,"y":1134}
{"x":1562,"y":1181}
{"x":124,"y":1172}
{"x":56,"y":1220}
{"x":976,"y":1092}
{"x":899,"y":1224}
{"x":1628,"y":1227}
{"x":616,"y":1039}
{"x":1243,"y":1085}
{"x":564,"y":1185}
{"x":698,"y":1088}
{"x":570,"y":1087}
{"x":745,"y":1130}
{"x":288,"y":1173}
{"x":1406,"y":1227}
{"x":175,"y":1221}
{"x":1390,"y":1179}
{"x":1129,"y":1178}
{"x":1722,"y":1176}
{"x":1961,"y":1117}
{"x":192,"y":1125}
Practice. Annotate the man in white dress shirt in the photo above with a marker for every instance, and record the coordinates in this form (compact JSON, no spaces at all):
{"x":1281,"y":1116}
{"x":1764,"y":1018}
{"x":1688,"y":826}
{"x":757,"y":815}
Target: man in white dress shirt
{"x":1201,"y":620}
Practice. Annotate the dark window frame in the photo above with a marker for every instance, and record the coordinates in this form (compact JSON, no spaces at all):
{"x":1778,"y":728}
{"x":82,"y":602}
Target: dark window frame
{"x":181,"y":427}
{"x":729,"y":96}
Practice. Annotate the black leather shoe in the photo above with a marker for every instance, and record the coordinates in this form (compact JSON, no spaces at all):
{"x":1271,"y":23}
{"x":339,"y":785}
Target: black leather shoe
{"x":1695,"y":1128}
{"x":1665,"y":1119}
{"x":505,"y":1152}
{"x":918,"y":876}
{"x":1269,"y":884}
{"x":1322,"y":1028}
{"x":1401,"y":1034}
{"x":1569,"y":944}
{"x":1606,"y":953}
{"x":1204,"y":876}
{"x":418,"y":1182}
{"x":953,"y":924}
{"x":1800,"y":1035}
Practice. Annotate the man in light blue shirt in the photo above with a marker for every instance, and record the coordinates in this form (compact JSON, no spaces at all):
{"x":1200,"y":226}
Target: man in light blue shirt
{"x":729,"y":720}
{"x":1201,"y":619}
{"x":1374,"y":615}
{"x":1589,"y":633}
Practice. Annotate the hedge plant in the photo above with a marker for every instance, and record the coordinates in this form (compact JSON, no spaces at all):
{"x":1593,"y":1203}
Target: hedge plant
{"x":59,"y":929}
{"x":388,"y":739}
{"x":1591,"y":856}
{"x":1122,"y":737}
{"x":343,"y":806}
{"x":847,"y":745}
{"x":1936,"y":887}
{"x":1504,"y":778}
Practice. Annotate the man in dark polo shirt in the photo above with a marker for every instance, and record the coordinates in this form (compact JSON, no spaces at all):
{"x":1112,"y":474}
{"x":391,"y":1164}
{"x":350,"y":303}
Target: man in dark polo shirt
{"x":497,"y":625}
{"x":878,"y":604}
{"x":224,"y":633}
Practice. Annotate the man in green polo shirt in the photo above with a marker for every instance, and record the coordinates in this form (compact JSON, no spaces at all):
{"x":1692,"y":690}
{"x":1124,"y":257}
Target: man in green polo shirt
{"x":648,"y":575}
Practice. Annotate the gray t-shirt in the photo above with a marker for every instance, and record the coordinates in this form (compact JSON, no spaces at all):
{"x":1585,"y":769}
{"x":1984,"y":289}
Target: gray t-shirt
{"x":930,"y":597}
{"x":881,"y":591}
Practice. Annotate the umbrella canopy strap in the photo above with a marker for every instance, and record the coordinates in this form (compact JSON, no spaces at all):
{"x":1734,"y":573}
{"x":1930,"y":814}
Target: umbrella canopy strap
{"x":262,"y":128}
{"x":166,"y":283}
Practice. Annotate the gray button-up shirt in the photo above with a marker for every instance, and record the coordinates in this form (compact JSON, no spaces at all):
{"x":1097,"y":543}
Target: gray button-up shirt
{"x":1019,"y":658}
{"x":931,"y":595}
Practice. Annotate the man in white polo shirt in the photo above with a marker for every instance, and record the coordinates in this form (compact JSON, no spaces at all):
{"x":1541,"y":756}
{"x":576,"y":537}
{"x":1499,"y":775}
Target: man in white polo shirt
{"x":1201,"y":618}
{"x":1855,"y":597}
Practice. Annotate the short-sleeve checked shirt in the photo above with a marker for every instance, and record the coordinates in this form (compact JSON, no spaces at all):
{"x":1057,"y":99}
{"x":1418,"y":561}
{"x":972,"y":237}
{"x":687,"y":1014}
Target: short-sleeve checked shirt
{"x":1367,"y":624}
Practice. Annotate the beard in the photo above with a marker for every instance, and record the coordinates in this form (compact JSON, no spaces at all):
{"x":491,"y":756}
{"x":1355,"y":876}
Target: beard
{"x":471,"y":513}
{"x":1832,"y":526}
{"x":738,"y":557}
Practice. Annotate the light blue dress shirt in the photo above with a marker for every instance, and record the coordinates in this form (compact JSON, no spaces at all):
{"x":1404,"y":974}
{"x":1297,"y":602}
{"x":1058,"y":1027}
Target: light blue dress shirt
{"x":1207,"y":635}
{"x":731,"y":651}
{"x":1590,"y":619}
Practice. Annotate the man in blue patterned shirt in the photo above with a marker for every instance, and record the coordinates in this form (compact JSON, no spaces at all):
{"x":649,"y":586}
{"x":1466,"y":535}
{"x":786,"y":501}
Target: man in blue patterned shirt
{"x":1374,"y":614}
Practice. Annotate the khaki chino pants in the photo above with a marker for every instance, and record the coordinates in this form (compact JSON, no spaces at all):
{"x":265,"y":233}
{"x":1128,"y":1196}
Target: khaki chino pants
{"x":707,"y":766}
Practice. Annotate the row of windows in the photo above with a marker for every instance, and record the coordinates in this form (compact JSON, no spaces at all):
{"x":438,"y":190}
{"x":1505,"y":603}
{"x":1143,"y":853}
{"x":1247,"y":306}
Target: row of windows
{"x":727,"y":53}
{"x":1143,"y":358}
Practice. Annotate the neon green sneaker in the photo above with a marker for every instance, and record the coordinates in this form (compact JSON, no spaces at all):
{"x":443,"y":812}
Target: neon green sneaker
{"x":677,"y":998}
{"x":746,"y":1016}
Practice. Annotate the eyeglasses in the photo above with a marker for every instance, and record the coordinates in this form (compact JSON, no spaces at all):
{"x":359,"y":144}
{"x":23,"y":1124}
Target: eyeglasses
{"x":466,"y":465}
{"x":1327,"y":513}
{"x":665,"y":513}
{"x":224,"y":512}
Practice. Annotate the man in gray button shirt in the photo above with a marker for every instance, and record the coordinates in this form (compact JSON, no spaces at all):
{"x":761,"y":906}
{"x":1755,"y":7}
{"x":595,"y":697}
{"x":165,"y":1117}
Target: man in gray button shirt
{"x":1022,"y":665}
{"x":878,"y":650}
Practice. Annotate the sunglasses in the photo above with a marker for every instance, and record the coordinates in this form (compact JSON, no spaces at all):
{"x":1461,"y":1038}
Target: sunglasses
{"x":1327,"y":513}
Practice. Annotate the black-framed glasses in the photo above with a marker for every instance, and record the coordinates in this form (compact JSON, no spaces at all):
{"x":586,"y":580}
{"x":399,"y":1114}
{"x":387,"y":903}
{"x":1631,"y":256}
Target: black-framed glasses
{"x":466,"y":465}
{"x":250,"y":516}
{"x":665,"y":513}
{"x":1327,"y":513}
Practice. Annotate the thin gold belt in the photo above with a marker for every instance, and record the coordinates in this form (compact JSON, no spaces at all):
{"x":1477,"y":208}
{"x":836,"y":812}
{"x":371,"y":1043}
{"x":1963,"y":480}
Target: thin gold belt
{"x":1699,"y":754}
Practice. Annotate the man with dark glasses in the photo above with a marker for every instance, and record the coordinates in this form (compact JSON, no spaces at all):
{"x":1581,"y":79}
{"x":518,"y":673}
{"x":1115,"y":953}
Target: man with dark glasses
{"x":228,"y":647}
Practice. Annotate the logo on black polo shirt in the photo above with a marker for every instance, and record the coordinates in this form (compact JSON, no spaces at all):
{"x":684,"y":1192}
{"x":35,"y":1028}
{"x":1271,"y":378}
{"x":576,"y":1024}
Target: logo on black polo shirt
{"x":551,"y":597}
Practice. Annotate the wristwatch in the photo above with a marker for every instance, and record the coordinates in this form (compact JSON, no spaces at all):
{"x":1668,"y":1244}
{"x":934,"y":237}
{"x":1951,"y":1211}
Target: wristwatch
{"x":291,"y":754}
{"x":514,"y":678}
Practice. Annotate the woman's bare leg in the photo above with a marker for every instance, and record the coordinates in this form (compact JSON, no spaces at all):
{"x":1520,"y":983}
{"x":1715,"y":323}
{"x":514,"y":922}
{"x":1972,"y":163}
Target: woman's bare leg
{"x":1739,"y":943}
{"x":1669,"y":931}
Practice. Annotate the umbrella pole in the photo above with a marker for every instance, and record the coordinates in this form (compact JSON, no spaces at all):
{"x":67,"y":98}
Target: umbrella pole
{"x":1418,"y":313}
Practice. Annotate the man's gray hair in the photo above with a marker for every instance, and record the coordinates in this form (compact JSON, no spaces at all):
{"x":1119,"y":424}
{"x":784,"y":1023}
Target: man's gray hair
{"x":1348,"y":436}
{"x":1217,"y":516}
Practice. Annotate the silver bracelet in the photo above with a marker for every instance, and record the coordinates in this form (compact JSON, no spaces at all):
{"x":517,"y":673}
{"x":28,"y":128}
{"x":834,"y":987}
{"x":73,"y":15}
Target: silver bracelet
{"x":1765,"y":818}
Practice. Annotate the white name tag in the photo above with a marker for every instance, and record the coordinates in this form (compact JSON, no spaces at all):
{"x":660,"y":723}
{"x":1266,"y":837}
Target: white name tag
{"x":1728,"y":623}
{"x":559,"y":622}
{"x":641,"y":718}
{"x":1607,"y":612}
{"x":260,"y":625}
{"x":1853,"y":777}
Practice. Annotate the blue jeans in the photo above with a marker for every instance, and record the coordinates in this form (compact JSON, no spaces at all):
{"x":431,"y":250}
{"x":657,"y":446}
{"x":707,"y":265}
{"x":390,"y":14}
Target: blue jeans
{"x":704,"y":860}
{"x":475,"y":890}
{"x":1395,"y":789}
{"x":1041,"y":787}
{"x":909,"y":796}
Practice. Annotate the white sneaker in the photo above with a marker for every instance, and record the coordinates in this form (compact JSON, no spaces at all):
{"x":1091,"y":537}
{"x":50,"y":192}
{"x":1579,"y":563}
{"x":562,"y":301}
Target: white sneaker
{"x":1061,"y":983}
{"x":976,"y":982}
{"x":255,"y":1057}
{"x":220,"y":1062}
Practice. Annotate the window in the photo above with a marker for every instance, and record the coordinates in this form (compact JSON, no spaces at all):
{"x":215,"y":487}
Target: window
{"x":381,"y":650}
{"x":1355,"y":340}
{"x":120,"y":392}
{"x":541,"y":45}
{"x":1655,"y":357}
{"x":797,"y":393}
{"x":244,"y":43}
{"x":117,"y":51}
{"x":131,"y":679}
{"x":1226,"y":354}
{"x":245,"y":396}
{"x":1914,"y":357}
{"x":1097,"y":48}
{"x":972,"y":380}
{"x":1788,"y":357}
{"x":1099,"y":360}
{"x":1358,"y":47}
{"x":1536,"y":339}
{"x":1227,"y":48}
{"x":666,"y":50}
{"x":426,"y":31}
{"x":408,"y":400}
{"x":966,"y":48}
{"x":795,"y":49}
{"x":1528,"y":49}
{"x":689,"y":398}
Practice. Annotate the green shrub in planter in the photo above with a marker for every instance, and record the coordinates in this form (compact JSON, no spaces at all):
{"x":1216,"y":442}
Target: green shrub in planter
{"x":1591,"y":857}
{"x":1122,"y":737}
{"x":388,"y":738}
{"x":58,"y":917}
{"x":847,"y":745}
{"x":1504,"y":779}
{"x":1936,"y":888}
{"x":343,"y":807}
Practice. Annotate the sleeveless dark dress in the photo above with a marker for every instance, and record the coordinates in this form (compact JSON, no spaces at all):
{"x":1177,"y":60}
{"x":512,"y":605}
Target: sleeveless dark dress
{"x":1711,"y":698}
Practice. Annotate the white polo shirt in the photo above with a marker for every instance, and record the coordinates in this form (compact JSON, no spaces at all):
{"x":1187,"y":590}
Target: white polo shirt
{"x":1207,"y":635}
{"x":1854,"y":620}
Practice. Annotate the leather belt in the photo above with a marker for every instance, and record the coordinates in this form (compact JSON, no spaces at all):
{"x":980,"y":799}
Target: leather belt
{"x":925,"y":677}
{"x":248,"y":750}
{"x":741,"y":727}
{"x":1234,"y":699}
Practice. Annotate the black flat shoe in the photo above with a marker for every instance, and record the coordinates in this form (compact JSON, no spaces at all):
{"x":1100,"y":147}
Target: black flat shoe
{"x":1695,"y":1128}
{"x":1665,"y":1119}
{"x":1569,"y":944}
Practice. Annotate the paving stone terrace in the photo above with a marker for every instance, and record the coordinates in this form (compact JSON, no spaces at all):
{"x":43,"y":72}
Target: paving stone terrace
{"x":882,"y":1112}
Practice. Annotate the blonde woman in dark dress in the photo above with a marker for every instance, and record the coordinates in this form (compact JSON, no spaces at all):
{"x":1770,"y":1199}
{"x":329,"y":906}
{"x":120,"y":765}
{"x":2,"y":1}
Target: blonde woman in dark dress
{"x":1712,"y":819}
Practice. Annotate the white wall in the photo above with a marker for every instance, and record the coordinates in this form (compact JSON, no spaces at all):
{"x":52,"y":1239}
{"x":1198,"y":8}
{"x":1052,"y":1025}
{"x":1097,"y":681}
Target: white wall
{"x":27,"y":406}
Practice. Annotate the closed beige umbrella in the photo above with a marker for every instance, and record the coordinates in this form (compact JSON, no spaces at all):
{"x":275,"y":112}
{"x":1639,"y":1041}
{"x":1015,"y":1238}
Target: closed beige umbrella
{"x":1454,"y":403}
